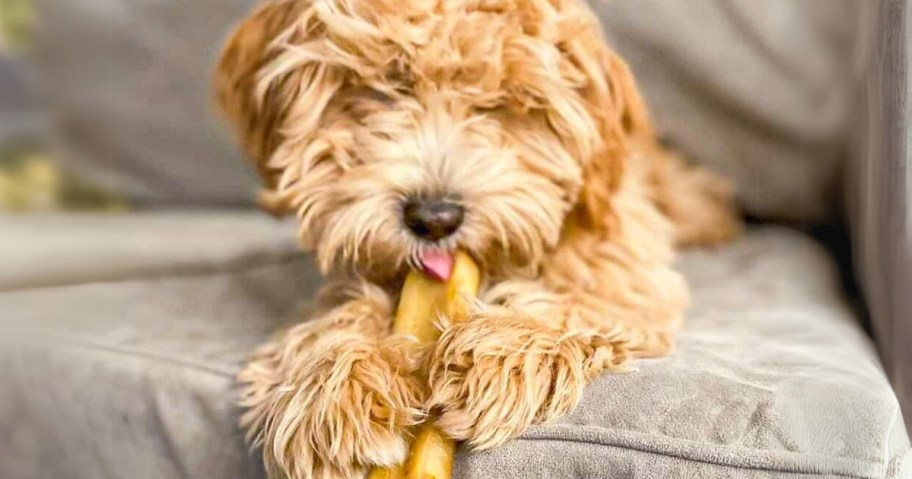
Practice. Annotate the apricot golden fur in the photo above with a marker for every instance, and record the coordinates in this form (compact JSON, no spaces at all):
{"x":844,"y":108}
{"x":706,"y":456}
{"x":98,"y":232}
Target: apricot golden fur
{"x":518,"y":110}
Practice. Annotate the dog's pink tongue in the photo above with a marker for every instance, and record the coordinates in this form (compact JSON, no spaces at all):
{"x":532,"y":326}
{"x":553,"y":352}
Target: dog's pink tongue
{"x":437,"y":264}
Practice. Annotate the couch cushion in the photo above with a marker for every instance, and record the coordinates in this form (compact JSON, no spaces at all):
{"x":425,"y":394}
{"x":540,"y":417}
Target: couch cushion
{"x":132,"y":375}
{"x":772,"y":377}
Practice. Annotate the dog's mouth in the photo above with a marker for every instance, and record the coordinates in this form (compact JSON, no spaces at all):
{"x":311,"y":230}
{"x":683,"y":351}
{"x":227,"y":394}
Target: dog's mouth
{"x":437,"y":264}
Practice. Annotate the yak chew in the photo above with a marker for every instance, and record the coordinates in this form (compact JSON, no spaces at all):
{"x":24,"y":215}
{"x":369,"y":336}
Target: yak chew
{"x":422,"y":301}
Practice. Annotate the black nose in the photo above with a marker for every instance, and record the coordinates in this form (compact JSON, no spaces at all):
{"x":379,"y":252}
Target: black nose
{"x":432,"y":219}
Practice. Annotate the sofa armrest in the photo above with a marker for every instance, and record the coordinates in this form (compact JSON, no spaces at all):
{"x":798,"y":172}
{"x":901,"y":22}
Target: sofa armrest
{"x":880,"y":189}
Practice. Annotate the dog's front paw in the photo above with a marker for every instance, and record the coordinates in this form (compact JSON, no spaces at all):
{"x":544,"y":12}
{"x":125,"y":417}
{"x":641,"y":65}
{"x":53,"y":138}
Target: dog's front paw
{"x":341,"y":408}
{"x":496,"y":373}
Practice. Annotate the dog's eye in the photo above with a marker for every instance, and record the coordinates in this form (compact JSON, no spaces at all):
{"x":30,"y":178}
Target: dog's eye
{"x":493,"y":110}
{"x":376,"y":95}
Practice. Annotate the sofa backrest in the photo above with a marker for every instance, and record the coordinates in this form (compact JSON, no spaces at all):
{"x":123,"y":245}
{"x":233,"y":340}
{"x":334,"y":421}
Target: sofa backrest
{"x":757,"y":90}
{"x":762,"y":91}
{"x":128,"y":87}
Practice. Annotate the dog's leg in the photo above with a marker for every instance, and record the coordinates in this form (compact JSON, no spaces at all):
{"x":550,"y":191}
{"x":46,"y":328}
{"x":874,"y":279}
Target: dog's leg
{"x":334,"y":395}
{"x":525,"y":357}
{"x":508,"y":367}
{"x":501,"y":370}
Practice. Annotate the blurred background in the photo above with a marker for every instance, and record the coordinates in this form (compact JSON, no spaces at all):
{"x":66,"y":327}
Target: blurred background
{"x":107,"y":106}
{"x":30,"y":179}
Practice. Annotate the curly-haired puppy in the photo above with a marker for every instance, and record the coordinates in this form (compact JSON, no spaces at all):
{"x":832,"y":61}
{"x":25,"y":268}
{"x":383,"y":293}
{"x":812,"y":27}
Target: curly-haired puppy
{"x":400,"y":130}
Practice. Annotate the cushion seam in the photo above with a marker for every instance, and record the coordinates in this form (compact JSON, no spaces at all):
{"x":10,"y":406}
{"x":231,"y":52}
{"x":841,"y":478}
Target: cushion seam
{"x":576,"y":433}
{"x":711,"y":463}
{"x":75,"y":342}
{"x":240,"y":264}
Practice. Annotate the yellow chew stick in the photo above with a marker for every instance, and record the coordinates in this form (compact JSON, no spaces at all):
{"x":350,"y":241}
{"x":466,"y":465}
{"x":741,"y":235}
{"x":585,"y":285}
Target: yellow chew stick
{"x":420,"y":304}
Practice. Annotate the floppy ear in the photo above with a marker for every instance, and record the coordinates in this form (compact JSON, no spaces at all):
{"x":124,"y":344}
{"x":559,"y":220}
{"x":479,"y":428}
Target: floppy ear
{"x":275,"y":94}
{"x":621,"y":120}
{"x":245,"y":54}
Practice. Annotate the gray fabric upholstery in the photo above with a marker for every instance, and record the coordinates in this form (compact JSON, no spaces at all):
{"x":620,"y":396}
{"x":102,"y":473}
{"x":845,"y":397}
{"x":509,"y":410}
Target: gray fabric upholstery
{"x":67,"y":249}
{"x":129,"y":374}
{"x":127,"y":371}
{"x":880,"y":188}
{"x":757,"y":90}
{"x":128,"y":84}
{"x":761,"y":91}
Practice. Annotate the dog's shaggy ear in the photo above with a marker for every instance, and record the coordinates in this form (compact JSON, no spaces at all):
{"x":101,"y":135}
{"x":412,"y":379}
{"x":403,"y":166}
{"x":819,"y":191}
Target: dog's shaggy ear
{"x":621,"y":120}
{"x":275,"y":94}
{"x":245,"y":54}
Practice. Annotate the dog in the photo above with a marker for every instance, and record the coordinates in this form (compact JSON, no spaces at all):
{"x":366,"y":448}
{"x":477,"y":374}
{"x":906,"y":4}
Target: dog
{"x":399,"y":131}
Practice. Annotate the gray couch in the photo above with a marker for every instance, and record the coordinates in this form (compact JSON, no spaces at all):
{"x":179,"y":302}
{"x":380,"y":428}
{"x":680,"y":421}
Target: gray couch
{"x":122,"y":334}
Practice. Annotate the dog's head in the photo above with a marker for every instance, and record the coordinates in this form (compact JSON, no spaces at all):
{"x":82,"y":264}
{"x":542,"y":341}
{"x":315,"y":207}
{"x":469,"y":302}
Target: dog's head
{"x":396,"y":129}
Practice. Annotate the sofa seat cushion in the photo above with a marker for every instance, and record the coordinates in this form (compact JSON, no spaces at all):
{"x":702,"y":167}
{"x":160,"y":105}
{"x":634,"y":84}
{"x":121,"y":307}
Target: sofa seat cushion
{"x":129,"y":373}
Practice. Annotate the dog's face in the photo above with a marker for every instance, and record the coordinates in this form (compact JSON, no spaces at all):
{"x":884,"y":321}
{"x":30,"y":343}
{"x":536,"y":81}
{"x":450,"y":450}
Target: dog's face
{"x":399,"y":131}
